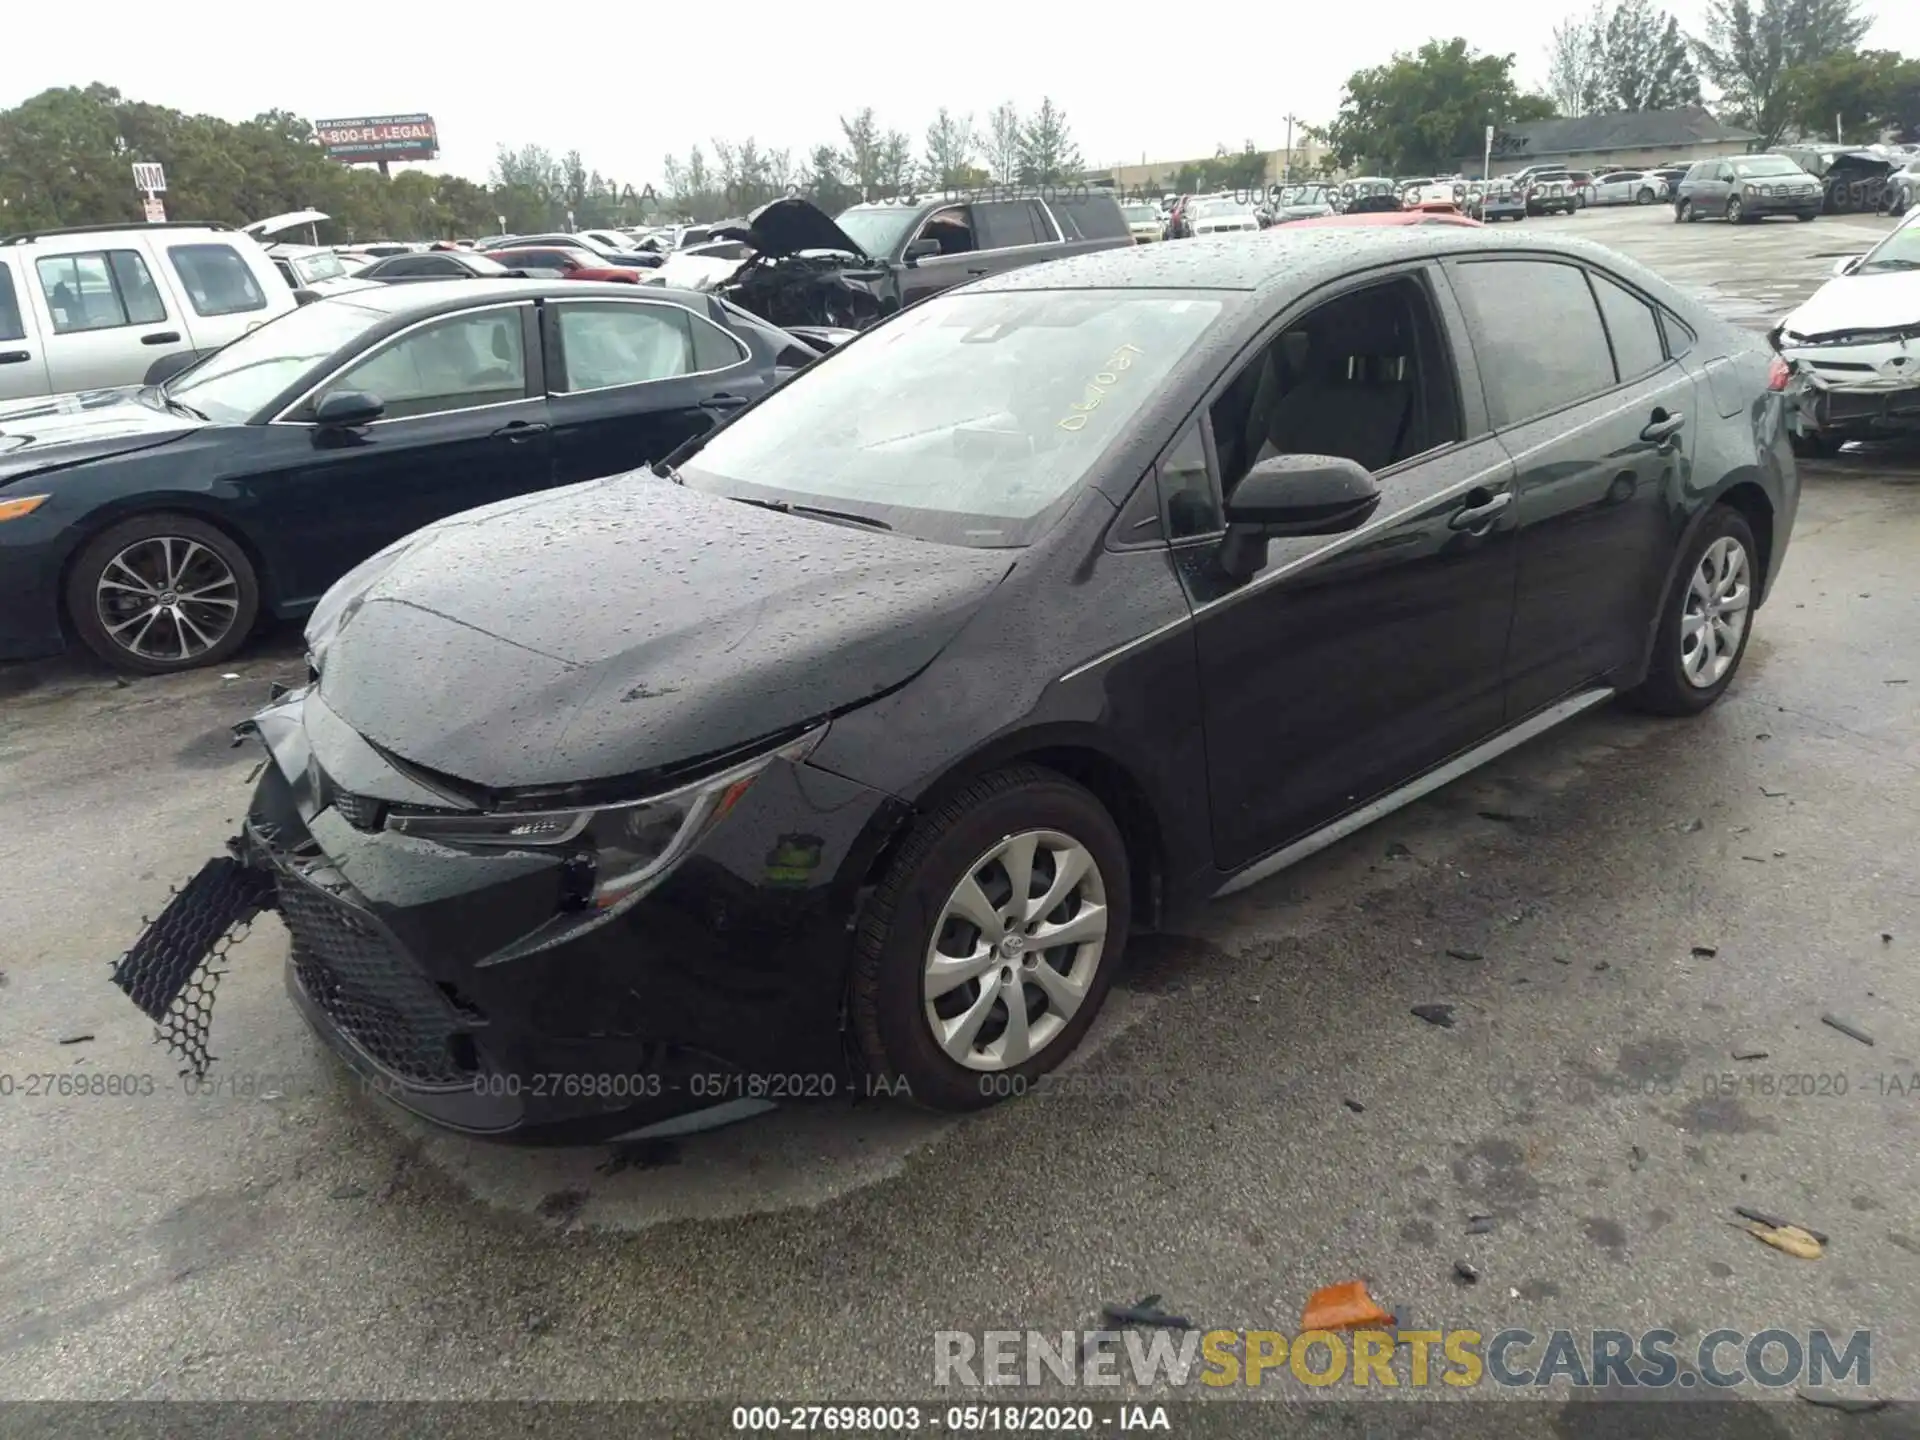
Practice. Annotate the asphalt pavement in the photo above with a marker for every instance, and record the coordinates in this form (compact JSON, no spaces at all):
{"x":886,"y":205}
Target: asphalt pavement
{"x":1613,"y":913}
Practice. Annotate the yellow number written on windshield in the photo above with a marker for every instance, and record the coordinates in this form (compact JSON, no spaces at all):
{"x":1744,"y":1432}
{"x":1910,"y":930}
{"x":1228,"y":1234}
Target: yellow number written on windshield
{"x":1097,"y":388}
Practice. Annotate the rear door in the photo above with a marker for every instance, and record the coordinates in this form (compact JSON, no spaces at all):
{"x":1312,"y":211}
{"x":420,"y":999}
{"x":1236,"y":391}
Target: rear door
{"x":630,"y":381}
{"x":1349,"y":663}
{"x":23,"y":358}
{"x":1583,"y":395}
{"x":105,"y":319}
{"x":466,"y":424}
{"x":223,"y":292}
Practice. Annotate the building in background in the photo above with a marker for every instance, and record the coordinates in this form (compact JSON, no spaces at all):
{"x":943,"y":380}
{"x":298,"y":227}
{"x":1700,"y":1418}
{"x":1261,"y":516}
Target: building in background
{"x":1625,"y":140}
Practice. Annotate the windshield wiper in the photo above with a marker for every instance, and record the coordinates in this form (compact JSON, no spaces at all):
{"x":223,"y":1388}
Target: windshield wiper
{"x":180,"y":407}
{"x":787,"y":507}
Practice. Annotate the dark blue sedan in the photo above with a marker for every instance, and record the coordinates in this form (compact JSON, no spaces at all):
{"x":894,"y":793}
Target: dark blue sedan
{"x":159,"y":526}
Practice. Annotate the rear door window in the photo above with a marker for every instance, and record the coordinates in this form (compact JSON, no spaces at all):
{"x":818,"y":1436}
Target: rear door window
{"x":217,"y":280}
{"x":12,"y":324}
{"x":611,"y":344}
{"x":1002,"y":224}
{"x":99,"y":290}
{"x":1537,"y":335}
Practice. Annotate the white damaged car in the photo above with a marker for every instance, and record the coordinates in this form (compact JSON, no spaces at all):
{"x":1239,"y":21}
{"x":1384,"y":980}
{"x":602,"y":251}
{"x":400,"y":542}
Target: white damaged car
{"x":1853,"y":349}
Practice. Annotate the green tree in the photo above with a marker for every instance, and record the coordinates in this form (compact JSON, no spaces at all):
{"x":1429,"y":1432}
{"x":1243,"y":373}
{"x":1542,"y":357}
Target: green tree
{"x":863,"y":158}
{"x":1004,"y":135}
{"x":1632,"y":57}
{"x":951,"y":143}
{"x":1749,"y":49}
{"x":1422,"y":112}
{"x":1047,"y":152}
{"x":1869,"y":91}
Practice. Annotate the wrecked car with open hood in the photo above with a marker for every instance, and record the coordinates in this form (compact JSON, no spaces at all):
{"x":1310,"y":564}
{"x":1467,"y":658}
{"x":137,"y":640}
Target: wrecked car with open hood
{"x":1853,"y":348}
{"x":797,"y":266}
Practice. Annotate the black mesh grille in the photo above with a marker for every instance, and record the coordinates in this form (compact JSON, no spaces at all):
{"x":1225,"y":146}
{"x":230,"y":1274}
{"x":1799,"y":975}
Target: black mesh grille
{"x":370,"y":990}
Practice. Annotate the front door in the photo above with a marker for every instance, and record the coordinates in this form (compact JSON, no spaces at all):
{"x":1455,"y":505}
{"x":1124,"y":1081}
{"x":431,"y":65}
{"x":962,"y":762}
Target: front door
{"x":960,"y":258}
{"x":23,"y":359}
{"x":633,"y":380}
{"x":466,"y":424}
{"x":104,"y":318}
{"x":1350,"y":663}
{"x":1596,"y":419}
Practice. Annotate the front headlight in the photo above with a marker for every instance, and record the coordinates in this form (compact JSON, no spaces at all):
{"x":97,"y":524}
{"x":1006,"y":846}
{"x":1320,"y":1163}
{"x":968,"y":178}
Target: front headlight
{"x":625,"y":848}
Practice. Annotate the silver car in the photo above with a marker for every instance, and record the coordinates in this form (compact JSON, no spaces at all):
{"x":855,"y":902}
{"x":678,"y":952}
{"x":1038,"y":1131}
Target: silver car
{"x":1629,"y":187}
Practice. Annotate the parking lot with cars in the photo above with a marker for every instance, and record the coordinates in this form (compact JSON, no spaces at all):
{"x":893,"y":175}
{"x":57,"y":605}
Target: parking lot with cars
{"x":1513,"y":1053}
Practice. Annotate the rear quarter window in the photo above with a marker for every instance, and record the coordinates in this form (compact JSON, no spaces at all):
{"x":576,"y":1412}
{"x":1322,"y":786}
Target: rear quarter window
{"x":1090,"y":217}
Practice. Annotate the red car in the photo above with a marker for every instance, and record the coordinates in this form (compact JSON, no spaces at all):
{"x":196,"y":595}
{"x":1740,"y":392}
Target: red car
{"x":1388,"y":217}
{"x":565,"y":263}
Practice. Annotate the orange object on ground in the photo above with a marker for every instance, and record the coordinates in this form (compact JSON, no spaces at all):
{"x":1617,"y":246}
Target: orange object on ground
{"x":1343,"y":1307}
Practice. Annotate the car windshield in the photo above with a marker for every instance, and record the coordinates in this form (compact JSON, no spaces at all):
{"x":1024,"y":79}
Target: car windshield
{"x":876,"y":229}
{"x":235,"y":383}
{"x":1140,"y":214}
{"x":1212,"y":208}
{"x":1765,"y":165}
{"x":965,"y":418}
{"x":1899,"y":251}
{"x":481,"y":264}
{"x":1304,"y":195}
{"x":320,"y":265}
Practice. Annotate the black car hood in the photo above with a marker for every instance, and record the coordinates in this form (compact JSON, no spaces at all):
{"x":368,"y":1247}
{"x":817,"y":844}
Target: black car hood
{"x":61,"y":430}
{"x":787,"y":227}
{"x":629,"y":626}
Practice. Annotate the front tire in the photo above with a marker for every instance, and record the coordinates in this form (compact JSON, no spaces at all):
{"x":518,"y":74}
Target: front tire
{"x":1683,"y":213}
{"x":1706,"y":620}
{"x":954,"y":990}
{"x":158,"y":594}
{"x":1735,"y":215}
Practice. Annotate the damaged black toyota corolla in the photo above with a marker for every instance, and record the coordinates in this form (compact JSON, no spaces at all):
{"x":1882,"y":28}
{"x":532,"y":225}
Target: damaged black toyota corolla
{"x":853,"y":749}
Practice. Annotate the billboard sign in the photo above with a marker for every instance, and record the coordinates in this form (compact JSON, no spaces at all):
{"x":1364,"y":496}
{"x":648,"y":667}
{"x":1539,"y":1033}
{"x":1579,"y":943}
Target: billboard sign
{"x":149,"y":179}
{"x":379,"y":137}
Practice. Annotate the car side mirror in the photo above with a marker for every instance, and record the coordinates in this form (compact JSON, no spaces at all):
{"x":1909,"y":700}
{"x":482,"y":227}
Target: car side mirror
{"x":344,"y":409}
{"x":1846,"y":264}
{"x":1294,"y":495}
{"x":920,"y":249}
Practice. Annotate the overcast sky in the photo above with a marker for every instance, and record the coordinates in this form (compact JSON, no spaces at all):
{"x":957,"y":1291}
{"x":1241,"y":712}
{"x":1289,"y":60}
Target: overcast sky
{"x":780,"y":73}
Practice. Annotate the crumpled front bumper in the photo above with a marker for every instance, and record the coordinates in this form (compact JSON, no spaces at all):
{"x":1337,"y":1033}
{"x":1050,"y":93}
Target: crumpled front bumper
{"x":715,"y":996}
{"x":1847,"y":390}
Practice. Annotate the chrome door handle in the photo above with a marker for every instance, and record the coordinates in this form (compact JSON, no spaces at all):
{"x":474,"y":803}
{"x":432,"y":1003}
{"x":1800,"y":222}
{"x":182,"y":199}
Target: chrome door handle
{"x":1474,"y":516}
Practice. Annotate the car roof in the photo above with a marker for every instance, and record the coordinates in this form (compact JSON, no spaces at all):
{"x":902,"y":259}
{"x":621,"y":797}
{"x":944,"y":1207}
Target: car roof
{"x":429,"y":297}
{"x":1298,"y":257}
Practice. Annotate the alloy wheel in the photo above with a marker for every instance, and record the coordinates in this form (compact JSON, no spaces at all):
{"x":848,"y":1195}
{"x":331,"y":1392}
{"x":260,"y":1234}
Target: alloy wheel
{"x":1714,"y":619}
{"x":167,"y":598}
{"x":1645,"y":197}
{"x":1015,"y":950}
{"x":1685,"y":212}
{"x":1733,"y":212}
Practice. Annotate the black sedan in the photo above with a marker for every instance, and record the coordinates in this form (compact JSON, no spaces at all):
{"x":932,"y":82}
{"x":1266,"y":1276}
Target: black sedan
{"x":848,"y":754}
{"x":434,"y":265}
{"x":158,"y":525}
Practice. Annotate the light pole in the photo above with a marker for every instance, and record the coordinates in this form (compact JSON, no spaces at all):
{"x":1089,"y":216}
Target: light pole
{"x":1286,"y":166}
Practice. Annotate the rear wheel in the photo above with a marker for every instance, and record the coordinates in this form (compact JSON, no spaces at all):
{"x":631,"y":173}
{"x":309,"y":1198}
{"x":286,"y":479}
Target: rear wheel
{"x":987,"y":950}
{"x":1704,"y":625}
{"x":161,"y":593}
{"x":1645,"y":197}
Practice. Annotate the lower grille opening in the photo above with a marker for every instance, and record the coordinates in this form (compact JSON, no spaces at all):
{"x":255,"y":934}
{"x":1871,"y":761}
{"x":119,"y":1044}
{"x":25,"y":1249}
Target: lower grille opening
{"x":372,"y":992}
